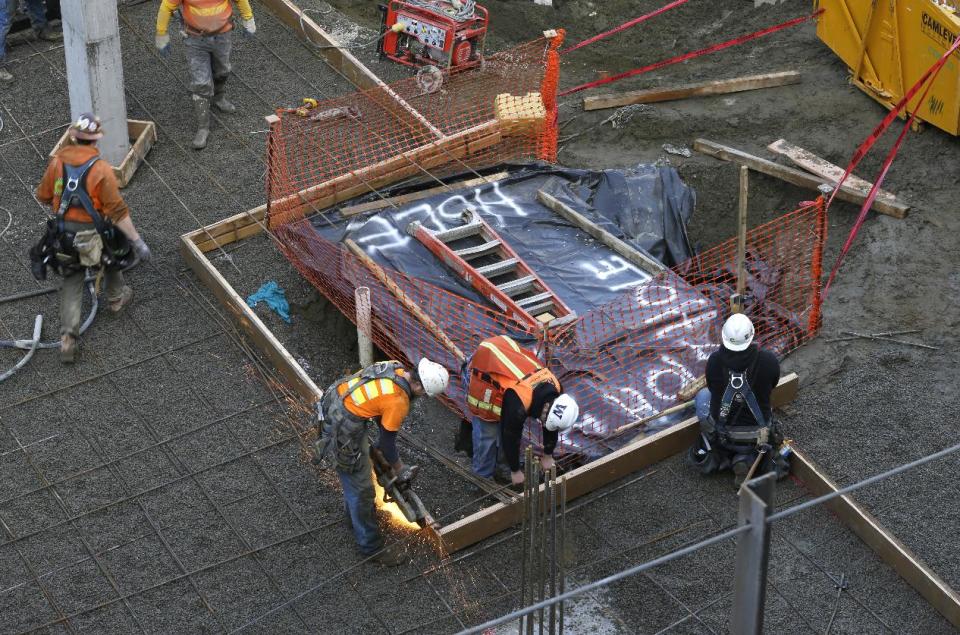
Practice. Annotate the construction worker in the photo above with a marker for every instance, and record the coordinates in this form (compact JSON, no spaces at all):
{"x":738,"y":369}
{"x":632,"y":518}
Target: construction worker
{"x":506,"y":385}
{"x":207,"y":24}
{"x":736,"y":421}
{"x":83,"y":193}
{"x":37,"y":12}
{"x":381,"y":393}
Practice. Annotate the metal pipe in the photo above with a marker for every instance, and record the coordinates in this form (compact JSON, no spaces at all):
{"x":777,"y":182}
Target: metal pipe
{"x":28,"y":294}
{"x":563,"y":545}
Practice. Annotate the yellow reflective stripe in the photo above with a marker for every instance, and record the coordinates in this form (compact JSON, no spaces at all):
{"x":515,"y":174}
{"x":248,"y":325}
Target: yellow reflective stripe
{"x":512,"y":344}
{"x":483,"y":405}
{"x":358,"y":397}
{"x":216,"y":9}
{"x":386,"y":387}
{"x":371,"y":389}
{"x":503,"y":359}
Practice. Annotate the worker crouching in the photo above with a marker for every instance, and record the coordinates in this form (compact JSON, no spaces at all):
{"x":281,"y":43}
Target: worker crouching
{"x":737,"y":429}
{"x":380,"y":393}
{"x":207,"y":25}
{"x":506,"y":385}
{"x":92,"y":229}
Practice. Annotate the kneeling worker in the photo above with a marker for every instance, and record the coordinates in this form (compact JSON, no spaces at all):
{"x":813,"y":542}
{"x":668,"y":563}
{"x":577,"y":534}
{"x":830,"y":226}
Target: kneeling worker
{"x":380,"y":393}
{"x":506,"y":385}
{"x":736,"y":420}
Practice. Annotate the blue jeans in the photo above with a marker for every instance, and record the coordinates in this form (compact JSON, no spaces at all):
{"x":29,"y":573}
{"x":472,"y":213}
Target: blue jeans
{"x":358,"y":497}
{"x":486,"y":437}
{"x":701,"y":403}
{"x":37,"y":11}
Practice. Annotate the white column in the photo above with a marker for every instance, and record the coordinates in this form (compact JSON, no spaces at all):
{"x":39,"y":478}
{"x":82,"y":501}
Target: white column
{"x":91,"y":37}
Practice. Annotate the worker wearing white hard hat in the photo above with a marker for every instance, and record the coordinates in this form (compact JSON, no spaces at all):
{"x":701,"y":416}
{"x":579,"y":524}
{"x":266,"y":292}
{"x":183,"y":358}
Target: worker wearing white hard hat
{"x":736,"y":420}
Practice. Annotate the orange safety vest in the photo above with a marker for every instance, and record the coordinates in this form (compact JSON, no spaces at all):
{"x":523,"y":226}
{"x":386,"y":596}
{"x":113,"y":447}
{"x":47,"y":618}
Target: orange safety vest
{"x":207,"y":17}
{"x":500,"y":365}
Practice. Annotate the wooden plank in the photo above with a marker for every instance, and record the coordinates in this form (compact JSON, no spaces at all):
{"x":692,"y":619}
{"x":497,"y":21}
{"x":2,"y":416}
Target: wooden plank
{"x":392,"y":170}
{"x":821,"y":167}
{"x":612,"y":467}
{"x":403,"y":199}
{"x":886,"y":545}
{"x":225,"y":231}
{"x":238,"y":234}
{"x":405,"y":300}
{"x":262,"y":338}
{"x":144,"y":136}
{"x":793,"y":176}
{"x":700,"y":89}
{"x":632,"y":255}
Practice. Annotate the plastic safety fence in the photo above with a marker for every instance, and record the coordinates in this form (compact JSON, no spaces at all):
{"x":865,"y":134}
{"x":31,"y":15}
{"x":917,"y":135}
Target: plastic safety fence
{"x":623,"y":361}
{"x":436,"y":123}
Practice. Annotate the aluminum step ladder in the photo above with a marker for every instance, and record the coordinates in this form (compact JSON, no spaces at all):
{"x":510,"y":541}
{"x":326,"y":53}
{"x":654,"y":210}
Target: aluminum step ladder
{"x":482,"y":258}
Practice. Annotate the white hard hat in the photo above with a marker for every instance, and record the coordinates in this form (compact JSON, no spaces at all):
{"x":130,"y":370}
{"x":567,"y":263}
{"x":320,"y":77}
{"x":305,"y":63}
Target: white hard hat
{"x":433,"y":376}
{"x":563,"y":413}
{"x":737,"y":332}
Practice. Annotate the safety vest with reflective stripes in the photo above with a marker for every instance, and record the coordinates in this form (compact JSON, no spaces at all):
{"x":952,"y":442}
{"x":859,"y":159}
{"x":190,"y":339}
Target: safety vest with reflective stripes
{"x":207,"y":17}
{"x":379,"y":388}
{"x":500,"y":365}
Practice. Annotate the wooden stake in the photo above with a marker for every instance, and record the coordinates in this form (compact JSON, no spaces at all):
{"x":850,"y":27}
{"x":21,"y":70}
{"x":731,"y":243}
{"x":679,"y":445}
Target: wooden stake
{"x":405,"y":300}
{"x":361,"y":297}
{"x":736,"y":302}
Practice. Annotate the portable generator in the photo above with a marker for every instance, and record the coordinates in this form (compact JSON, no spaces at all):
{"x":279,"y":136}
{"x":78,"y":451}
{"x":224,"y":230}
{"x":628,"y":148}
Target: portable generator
{"x":444,"y":33}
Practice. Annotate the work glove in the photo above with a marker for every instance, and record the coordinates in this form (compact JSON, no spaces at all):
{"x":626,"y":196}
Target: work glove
{"x":407,"y":473}
{"x":249,"y":27}
{"x":141,"y":250}
{"x":547,"y":462}
{"x":163,"y":44}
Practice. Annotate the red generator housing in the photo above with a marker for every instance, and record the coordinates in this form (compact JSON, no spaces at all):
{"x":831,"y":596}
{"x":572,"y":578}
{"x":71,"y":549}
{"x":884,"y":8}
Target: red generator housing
{"x":433,"y":32}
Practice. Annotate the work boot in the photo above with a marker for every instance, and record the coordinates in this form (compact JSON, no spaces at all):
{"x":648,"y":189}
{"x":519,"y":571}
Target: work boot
{"x":50,"y":34}
{"x":740,"y":470}
{"x":5,"y":76}
{"x":220,"y":101}
{"x":126,"y":297}
{"x":68,"y":349}
{"x":392,"y":556}
{"x":464,"y":439}
{"x":201,"y":108}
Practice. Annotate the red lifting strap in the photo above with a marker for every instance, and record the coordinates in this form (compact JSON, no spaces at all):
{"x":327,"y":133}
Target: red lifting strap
{"x":624,"y":26}
{"x":690,"y":56}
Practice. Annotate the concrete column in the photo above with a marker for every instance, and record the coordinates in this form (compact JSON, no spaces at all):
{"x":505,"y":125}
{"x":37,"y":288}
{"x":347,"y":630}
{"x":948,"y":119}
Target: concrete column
{"x":364,"y":325}
{"x":91,"y":37}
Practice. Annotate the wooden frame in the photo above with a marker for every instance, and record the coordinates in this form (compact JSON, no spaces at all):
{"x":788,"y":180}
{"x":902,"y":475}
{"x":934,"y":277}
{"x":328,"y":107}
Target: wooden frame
{"x":143,"y":134}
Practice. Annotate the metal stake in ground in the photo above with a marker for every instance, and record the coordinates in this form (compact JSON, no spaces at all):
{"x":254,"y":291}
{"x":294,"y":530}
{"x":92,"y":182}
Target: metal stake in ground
{"x":552,"y":479}
{"x":753,"y":553}
{"x":524,"y":528}
{"x":563,"y":546}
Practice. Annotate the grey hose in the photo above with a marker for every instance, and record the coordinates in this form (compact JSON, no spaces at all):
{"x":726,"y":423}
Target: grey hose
{"x":26,"y":344}
{"x":34,"y":343}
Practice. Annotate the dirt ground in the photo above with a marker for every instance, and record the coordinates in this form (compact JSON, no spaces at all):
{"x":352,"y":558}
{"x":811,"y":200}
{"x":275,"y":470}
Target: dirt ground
{"x":159,"y":486}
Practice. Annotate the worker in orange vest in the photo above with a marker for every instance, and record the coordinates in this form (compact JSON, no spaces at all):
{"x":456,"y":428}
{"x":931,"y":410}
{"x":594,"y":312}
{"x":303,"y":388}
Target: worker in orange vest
{"x":506,"y":385}
{"x":92,"y":228}
{"x":207,"y":24}
{"x":380,"y":393}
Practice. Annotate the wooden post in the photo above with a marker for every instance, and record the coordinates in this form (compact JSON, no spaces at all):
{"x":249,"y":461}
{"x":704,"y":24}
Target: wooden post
{"x":736,"y":302}
{"x":91,"y":38}
{"x":364,"y":326}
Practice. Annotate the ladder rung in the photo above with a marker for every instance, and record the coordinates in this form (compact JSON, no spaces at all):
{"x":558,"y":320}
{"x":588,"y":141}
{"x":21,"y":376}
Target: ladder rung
{"x":450,"y":235}
{"x":535,"y":299}
{"x":518,"y":286}
{"x":540,"y":308}
{"x":479,"y":250}
{"x":497,"y":268}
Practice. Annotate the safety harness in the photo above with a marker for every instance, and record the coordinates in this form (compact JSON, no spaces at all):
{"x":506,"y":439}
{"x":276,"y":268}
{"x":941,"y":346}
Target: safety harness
{"x":342,"y":433}
{"x":737,"y":395}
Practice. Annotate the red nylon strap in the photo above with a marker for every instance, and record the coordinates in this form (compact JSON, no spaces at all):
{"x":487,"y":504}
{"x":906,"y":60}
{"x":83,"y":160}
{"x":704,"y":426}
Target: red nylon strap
{"x":930,"y":75}
{"x":624,"y":26}
{"x":689,"y":56}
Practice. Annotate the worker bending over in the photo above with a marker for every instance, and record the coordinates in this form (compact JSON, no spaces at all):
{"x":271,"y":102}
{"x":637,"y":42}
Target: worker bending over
{"x":83,"y":192}
{"x":505,"y":386}
{"x":380,"y":393}
{"x":207,"y":24}
{"x":736,"y":420}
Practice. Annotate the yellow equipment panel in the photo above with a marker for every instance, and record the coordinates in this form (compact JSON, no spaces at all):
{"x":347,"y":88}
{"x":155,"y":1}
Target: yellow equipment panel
{"x":890,"y":44}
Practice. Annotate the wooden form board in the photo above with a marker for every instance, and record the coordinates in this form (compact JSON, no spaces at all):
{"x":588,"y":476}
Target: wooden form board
{"x":632,"y":255}
{"x":700,"y":89}
{"x":403,"y":199}
{"x":794,"y":176}
{"x":142,"y":134}
{"x":614,"y":466}
{"x":821,"y":167}
{"x":911,"y":568}
{"x":405,"y":165}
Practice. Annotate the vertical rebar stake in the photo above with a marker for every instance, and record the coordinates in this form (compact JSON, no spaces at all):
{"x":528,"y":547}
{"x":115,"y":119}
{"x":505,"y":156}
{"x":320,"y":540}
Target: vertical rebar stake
{"x":544,"y":528}
{"x":563,"y":545}
{"x":553,"y":548}
{"x":534,"y":500}
{"x":524,"y":527}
